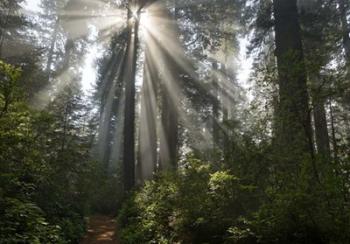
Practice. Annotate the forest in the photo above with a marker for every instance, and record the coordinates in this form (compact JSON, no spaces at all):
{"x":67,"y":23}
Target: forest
{"x":175,"y":121}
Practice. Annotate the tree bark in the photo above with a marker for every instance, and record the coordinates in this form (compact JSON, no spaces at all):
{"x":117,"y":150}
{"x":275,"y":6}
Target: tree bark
{"x":343,"y":7}
{"x":129,"y":117}
{"x":169,"y":140}
{"x":321,"y":129}
{"x":294,"y":124}
{"x":111,"y":102}
{"x":3,"y":26}
{"x":320,"y":116}
{"x":169,"y":98}
{"x":215,"y":106}
{"x":148,"y":119}
{"x":52,"y":49}
{"x":334,"y":138}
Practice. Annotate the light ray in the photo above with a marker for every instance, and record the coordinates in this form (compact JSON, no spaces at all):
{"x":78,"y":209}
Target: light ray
{"x":161,"y":35}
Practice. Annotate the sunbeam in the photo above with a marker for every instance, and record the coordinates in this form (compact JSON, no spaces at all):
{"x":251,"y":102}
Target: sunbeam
{"x":194,"y":121}
{"x":165,"y":64}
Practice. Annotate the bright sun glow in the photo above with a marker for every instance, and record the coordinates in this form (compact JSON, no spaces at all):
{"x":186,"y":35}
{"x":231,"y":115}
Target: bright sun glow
{"x":161,"y":43}
{"x":134,"y":14}
{"x":146,"y":18}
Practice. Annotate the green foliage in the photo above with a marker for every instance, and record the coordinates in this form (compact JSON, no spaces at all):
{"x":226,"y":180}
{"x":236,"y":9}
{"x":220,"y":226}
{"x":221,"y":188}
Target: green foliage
{"x":9,"y":90}
{"x":303,"y":210}
{"x":205,"y":203}
{"x":25,"y":223}
{"x":105,"y":190}
{"x":45,"y":167}
{"x":195,"y":205}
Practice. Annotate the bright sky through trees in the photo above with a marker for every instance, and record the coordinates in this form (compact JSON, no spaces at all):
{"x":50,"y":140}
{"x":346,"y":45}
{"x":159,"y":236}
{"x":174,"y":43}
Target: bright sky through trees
{"x":89,"y":68}
{"x":193,"y":121}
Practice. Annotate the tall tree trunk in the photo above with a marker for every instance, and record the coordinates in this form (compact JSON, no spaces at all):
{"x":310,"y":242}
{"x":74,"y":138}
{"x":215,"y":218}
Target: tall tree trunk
{"x":170,"y":100}
{"x":334,"y":138}
{"x":3,"y":27}
{"x":129,"y":117}
{"x":215,"y":106}
{"x":320,"y":117}
{"x":109,"y":147}
{"x":110,"y":90}
{"x":227,"y":142}
{"x":148,"y":119}
{"x":294,"y":124}
{"x":52,"y":50}
{"x":65,"y":124}
{"x":344,"y":7}
{"x":169,"y":140}
{"x":321,"y":129}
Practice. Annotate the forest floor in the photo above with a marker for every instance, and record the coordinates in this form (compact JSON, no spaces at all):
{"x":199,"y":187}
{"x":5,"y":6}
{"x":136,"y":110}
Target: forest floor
{"x":101,"y":229}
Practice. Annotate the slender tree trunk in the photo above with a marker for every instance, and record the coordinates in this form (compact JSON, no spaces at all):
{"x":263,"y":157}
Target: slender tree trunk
{"x":169,"y":139}
{"x":228,"y":144}
{"x":148,"y":119}
{"x":321,"y":130}
{"x":344,"y":7}
{"x":334,"y":138}
{"x":129,"y":117}
{"x":52,"y":50}
{"x":110,"y":98}
{"x":294,"y":124}
{"x":65,"y":123}
{"x":3,"y":27}
{"x":320,"y":119}
{"x":170,"y":100}
{"x":215,"y":107}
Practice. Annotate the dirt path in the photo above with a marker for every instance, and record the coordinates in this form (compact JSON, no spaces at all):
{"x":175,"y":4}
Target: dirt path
{"x":101,"y":229}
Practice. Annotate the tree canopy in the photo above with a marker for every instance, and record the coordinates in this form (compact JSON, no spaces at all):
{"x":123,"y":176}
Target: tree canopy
{"x":185,"y":121}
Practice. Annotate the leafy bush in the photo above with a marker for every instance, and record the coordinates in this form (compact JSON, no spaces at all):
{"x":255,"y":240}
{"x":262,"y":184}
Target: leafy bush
{"x":194,"y":205}
{"x":44,"y":170}
{"x":203,"y":203}
{"x":24,"y":222}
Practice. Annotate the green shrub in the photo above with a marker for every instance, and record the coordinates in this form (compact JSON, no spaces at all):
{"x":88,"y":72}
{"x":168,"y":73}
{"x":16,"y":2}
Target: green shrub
{"x":201,"y":203}
{"x":194,"y":205}
{"x":43,"y":196}
{"x":24,"y":222}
